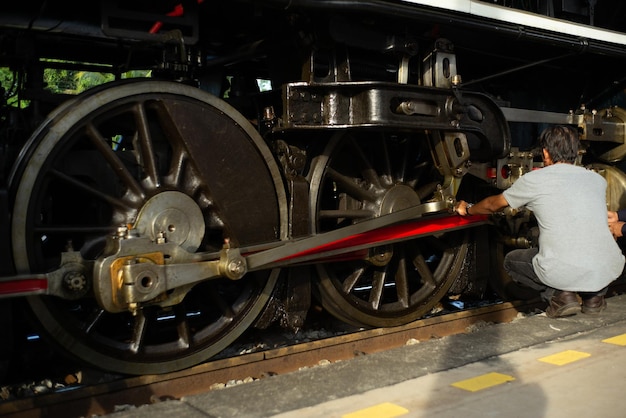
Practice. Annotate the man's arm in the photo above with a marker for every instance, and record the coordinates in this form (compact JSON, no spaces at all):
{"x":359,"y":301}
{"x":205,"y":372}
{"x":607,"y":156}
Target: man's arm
{"x":486,"y":206}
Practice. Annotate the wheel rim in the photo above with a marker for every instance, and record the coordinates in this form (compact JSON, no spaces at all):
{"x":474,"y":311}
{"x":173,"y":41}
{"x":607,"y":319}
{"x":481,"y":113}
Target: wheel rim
{"x":79,"y":184}
{"x":370,"y":176}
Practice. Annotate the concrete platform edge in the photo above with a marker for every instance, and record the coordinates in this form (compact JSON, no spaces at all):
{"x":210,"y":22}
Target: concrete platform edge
{"x":282,"y":393}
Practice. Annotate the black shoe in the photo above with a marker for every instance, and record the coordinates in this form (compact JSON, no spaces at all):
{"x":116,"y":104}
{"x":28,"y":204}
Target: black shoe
{"x":594,"y":305}
{"x":563,"y":303}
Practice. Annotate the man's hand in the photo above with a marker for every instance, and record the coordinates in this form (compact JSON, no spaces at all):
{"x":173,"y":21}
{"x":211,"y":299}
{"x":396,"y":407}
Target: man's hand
{"x":461,"y":208}
{"x":616,"y":228}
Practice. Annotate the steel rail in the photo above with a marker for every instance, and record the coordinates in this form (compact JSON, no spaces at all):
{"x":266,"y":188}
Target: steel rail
{"x":102,"y":398}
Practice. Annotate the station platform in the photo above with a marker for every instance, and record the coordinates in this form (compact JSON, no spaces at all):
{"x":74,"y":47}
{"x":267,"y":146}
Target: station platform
{"x":534,"y":366}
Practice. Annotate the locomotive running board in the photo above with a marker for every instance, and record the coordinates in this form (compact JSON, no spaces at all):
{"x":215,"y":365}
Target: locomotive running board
{"x":411,"y":223}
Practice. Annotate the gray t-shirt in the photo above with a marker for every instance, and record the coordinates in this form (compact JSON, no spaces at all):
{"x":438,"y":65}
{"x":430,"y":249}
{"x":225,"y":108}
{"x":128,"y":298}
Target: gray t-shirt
{"x":576,"y":249}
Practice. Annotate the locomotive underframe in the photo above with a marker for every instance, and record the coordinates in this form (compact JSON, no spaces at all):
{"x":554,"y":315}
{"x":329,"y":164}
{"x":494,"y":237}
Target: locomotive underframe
{"x":362,"y":143}
{"x":450,"y":118}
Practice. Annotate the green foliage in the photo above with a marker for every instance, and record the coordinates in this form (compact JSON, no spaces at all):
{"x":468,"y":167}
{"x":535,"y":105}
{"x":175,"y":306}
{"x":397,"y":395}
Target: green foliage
{"x":75,"y":82}
{"x":86,"y":80}
{"x":9,"y":86}
{"x":59,"y":81}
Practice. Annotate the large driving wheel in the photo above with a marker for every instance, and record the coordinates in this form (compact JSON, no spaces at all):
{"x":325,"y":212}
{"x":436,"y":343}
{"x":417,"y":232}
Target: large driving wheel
{"x":369,"y":175}
{"x":174,"y":159}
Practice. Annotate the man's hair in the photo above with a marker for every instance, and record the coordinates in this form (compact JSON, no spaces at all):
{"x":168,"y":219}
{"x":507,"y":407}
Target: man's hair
{"x":561,"y":142}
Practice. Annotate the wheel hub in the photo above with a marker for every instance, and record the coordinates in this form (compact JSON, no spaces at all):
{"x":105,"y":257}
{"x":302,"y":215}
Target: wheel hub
{"x":397,"y":198}
{"x":380,"y":256}
{"x":173,"y":217}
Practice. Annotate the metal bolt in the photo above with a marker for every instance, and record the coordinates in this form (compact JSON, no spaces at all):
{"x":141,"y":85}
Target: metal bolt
{"x":122,"y":231}
{"x":236,"y":267}
{"x":75,"y":281}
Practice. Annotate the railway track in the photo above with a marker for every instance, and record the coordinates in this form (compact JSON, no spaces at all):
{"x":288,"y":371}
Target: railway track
{"x":103,"y":398}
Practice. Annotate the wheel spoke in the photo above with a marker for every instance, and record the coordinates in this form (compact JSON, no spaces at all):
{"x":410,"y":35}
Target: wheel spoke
{"x":402,"y":280}
{"x":225,"y":309}
{"x":352,"y":280}
{"x":426,"y":190}
{"x":94,"y":318}
{"x":350,"y":187}
{"x":402,"y":168}
{"x":182,"y":327}
{"x":140,"y":326}
{"x":378,"y":285}
{"x":147,"y":159}
{"x":424,"y":271}
{"x":177,"y":168}
{"x":387,"y":176}
{"x":179,"y":174}
{"x":369,"y":173}
{"x":118,"y":203}
{"x":105,"y":149}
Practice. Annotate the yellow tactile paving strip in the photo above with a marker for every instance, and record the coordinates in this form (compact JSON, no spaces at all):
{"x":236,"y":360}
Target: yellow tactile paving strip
{"x":482,"y":382}
{"x":619,"y":340}
{"x":565,"y":357}
{"x":384,"y":410}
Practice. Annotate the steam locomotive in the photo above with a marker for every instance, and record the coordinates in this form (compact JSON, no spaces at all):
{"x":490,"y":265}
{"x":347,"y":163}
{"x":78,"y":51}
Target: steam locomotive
{"x":280,"y":153}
